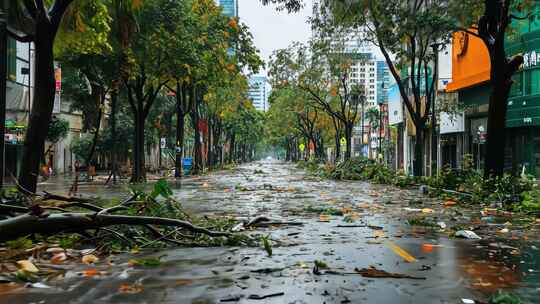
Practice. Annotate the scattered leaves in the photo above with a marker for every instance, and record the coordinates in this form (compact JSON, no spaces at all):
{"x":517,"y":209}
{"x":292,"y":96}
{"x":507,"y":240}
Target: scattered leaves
{"x":27,"y":266}
{"x":90,"y":259}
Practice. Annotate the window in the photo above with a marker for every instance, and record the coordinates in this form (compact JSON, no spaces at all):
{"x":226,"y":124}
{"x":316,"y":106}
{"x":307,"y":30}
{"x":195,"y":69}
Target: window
{"x":372,"y":80}
{"x":517,"y":86}
{"x":371,"y":86}
{"x":371,"y":75}
{"x":371,"y":69}
{"x":532,"y":83}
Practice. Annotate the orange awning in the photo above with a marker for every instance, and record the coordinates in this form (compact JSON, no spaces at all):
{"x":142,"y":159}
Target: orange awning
{"x":470,"y":81}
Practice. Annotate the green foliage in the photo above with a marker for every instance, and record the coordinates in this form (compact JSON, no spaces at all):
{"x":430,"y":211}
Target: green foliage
{"x":530,"y":202}
{"x":81,"y":147}
{"x":58,"y":129}
{"x":22,"y":243}
{"x":161,"y":188}
{"x":267,"y":244}
{"x":321,"y":264}
{"x":68,"y":241}
{"x":504,"y":298}
{"x":146,"y":262}
{"x":465,"y":185}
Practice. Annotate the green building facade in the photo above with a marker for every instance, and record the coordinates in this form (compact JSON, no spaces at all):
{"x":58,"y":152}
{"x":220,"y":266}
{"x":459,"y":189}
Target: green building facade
{"x":523,"y":116}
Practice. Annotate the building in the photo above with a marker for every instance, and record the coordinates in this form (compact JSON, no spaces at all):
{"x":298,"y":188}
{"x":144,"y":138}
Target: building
{"x":364,"y":72}
{"x":258,"y":92}
{"x":229,"y":7}
{"x":470,"y":81}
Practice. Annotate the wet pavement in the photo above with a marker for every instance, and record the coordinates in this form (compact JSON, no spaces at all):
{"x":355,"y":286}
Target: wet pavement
{"x":367,"y":227}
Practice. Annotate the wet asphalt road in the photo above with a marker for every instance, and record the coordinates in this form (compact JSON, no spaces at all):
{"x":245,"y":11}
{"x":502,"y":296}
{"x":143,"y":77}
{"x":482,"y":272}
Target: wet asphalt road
{"x":454,"y":269}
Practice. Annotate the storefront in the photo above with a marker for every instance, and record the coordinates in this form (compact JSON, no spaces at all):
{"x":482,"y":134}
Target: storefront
{"x":523,"y":116}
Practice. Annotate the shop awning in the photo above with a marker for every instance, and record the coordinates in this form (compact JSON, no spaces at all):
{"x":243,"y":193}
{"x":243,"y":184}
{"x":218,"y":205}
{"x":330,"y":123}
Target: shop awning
{"x":470,"y":81}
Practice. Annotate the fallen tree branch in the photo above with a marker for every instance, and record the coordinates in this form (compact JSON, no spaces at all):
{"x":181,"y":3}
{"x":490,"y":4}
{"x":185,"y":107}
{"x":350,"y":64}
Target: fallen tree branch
{"x":25,"y":224}
{"x":121,"y":206}
{"x":71,"y":199}
{"x":11,"y":208}
{"x":86,"y":206}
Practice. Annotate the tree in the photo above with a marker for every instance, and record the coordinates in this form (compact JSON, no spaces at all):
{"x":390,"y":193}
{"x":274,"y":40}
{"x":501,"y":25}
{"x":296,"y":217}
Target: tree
{"x":35,"y":21}
{"x":322,"y":71}
{"x":492,"y":24}
{"x":146,"y":75}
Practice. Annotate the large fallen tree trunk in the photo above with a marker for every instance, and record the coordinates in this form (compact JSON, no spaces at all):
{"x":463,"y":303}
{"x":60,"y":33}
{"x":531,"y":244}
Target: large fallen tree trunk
{"x":26,"y":224}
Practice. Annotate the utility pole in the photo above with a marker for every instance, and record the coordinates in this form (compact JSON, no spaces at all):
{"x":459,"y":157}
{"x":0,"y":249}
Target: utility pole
{"x":3,"y":79}
{"x":362,"y":100}
{"x":434,"y":141}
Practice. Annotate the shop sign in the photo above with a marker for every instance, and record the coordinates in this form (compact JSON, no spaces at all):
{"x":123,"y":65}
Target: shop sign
{"x":163,"y":143}
{"x":452,"y":123}
{"x":531,"y":59}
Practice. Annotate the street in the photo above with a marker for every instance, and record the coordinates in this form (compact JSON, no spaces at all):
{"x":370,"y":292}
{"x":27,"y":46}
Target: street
{"x":348,"y":227}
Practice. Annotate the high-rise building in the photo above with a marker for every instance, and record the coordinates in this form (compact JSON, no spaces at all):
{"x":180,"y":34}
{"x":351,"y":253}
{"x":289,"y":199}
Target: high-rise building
{"x":230,"y":7}
{"x":258,"y":92}
{"x":364,"y":73}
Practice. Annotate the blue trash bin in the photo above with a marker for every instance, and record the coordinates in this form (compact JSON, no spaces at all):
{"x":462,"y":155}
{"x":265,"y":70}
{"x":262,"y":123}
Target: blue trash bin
{"x":187,"y":164}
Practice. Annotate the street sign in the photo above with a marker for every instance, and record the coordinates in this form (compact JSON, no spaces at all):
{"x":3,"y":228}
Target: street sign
{"x":301,"y":147}
{"x":343,"y":141}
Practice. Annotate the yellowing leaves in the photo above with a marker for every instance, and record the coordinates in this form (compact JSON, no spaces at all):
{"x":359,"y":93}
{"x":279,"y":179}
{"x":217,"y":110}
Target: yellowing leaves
{"x":233,"y":24}
{"x":231,"y":67}
{"x":333,"y":91}
{"x":27,"y":266}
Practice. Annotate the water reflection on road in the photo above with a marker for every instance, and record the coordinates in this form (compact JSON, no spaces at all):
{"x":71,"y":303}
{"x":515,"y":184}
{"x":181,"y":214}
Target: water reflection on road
{"x":454,"y":269}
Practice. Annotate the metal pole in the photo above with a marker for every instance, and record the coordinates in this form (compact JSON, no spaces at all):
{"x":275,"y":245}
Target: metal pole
{"x":433,"y":114}
{"x":380,"y":131}
{"x":3,"y":79}
{"x":362,"y":145}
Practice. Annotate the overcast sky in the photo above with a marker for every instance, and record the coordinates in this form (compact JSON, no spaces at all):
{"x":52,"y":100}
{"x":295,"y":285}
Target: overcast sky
{"x":274,"y":30}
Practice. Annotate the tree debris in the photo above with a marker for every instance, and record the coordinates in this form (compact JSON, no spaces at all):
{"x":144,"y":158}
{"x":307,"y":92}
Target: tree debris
{"x":376,"y":273}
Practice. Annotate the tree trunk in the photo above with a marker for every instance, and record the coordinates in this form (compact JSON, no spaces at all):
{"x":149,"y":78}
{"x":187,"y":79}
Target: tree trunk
{"x":180,"y":125}
{"x":197,"y":159}
{"x":232,"y":148}
{"x":139,"y":174}
{"x":501,"y":82}
{"x":40,"y":115}
{"x":90,"y":155}
{"x":348,"y":138}
{"x":418,"y":151}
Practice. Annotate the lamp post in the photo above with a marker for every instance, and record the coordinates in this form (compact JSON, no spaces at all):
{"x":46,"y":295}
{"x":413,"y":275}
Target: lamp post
{"x":381,"y":103}
{"x":362,"y":102}
{"x":354,"y":100}
{"x":434,"y":141}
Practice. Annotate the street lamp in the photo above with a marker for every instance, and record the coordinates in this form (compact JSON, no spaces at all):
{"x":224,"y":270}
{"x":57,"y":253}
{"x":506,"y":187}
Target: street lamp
{"x":381,"y":102}
{"x":434,"y":141}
